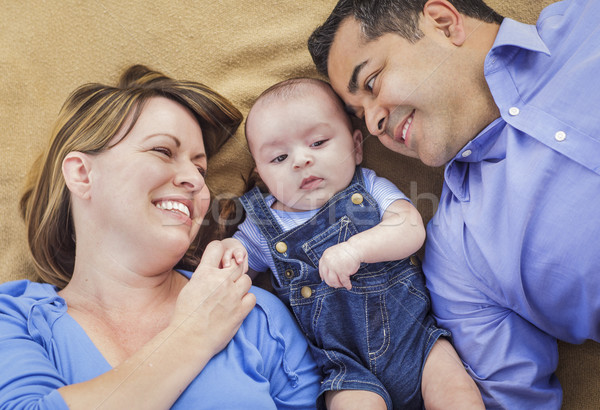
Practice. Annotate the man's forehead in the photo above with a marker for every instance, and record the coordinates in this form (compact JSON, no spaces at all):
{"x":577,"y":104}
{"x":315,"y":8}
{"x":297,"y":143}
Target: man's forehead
{"x":344,"y":55}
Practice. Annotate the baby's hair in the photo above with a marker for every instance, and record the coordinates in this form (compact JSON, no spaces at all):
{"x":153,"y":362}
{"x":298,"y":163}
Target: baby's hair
{"x":294,"y":88}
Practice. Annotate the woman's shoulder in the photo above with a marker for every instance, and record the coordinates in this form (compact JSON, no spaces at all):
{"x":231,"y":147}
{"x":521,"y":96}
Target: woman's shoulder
{"x":27,"y":305}
{"x":272,"y":315}
{"x":22,"y":294}
{"x":267,"y":301}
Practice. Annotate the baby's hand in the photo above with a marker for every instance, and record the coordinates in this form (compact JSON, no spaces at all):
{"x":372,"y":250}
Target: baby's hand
{"x":234,"y":250}
{"x":337,"y":264}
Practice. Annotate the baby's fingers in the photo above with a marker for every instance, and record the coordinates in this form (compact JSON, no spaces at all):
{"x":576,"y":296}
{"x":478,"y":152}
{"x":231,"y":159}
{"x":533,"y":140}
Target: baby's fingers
{"x":345,"y":281}
{"x":239,"y":255}
{"x":329,"y":277}
{"x":226,"y":259}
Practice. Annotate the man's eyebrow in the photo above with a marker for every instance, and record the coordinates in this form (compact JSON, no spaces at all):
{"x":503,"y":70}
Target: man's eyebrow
{"x":353,"y":83}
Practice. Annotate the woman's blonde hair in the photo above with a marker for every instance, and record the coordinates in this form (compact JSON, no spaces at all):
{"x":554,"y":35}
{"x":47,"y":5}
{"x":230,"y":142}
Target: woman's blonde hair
{"x":88,"y":120}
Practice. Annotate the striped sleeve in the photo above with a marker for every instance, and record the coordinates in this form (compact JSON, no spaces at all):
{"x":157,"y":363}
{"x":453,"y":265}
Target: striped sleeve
{"x":383,"y":190}
{"x":259,"y":256}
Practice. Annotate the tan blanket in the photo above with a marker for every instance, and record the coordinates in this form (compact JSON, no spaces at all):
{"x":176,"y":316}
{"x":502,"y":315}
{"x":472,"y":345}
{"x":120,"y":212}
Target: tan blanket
{"x":237,"y":47}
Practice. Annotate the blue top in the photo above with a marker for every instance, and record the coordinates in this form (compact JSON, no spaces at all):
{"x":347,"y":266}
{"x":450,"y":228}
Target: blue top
{"x":512,"y":257}
{"x":265,"y":366}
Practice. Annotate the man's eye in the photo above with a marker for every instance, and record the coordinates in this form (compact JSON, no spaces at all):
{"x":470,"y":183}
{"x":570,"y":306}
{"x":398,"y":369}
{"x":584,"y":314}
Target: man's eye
{"x":163,"y":150}
{"x":280,"y":158}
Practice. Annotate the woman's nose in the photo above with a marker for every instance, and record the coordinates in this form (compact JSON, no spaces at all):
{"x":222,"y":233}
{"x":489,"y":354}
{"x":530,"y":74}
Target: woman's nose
{"x":189,"y":176}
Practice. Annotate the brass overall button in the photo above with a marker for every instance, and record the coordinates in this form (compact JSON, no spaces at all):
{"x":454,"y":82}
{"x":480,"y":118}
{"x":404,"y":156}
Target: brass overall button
{"x":306,"y":292}
{"x":356,"y":199}
{"x":289,"y":273}
{"x":414,"y":260}
{"x":281,"y":247}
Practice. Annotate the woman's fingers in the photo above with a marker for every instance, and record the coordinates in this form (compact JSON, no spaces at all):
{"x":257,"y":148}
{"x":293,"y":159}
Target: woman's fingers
{"x":213,"y":254}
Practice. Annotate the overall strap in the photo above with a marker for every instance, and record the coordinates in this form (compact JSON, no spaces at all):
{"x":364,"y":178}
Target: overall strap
{"x":259,"y":213}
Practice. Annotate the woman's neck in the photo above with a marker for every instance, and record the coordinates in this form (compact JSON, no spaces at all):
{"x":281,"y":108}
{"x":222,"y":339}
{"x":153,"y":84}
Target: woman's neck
{"x":117,"y":290}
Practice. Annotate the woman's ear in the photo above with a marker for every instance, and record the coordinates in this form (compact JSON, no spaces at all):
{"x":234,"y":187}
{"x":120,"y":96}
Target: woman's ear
{"x":446,"y":19}
{"x":76,"y":169}
{"x":357,"y":137}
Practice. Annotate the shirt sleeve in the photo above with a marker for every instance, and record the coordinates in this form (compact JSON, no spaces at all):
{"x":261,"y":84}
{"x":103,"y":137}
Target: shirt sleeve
{"x":28,"y":379}
{"x":383,"y":190}
{"x":255,"y":244}
{"x":291,"y":369}
{"x":511,"y":360}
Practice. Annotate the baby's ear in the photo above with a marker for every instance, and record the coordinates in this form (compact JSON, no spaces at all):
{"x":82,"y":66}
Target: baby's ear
{"x":357,"y":137}
{"x":76,"y":170}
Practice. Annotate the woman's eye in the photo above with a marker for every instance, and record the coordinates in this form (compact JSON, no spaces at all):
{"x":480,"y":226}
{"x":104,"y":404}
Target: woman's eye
{"x":371,"y":83}
{"x":280,"y":158}
{"x":163,"y":150}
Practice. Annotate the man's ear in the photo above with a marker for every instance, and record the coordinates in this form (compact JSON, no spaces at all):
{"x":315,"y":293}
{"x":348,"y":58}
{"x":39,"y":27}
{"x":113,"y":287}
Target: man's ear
{"x":76,"y":169}
{"x":446,"y":19}
{"x":357,"y":137}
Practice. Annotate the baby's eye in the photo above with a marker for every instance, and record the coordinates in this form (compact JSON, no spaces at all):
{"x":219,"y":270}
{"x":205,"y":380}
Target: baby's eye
{"x":201,"y":170}
{"x":163,"y":150}
{"x":318,"y":143}
{"x":279,"y":159}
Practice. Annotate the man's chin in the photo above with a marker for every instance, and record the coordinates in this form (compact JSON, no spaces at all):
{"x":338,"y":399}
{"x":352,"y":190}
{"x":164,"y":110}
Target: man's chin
{"x":399,"y":147}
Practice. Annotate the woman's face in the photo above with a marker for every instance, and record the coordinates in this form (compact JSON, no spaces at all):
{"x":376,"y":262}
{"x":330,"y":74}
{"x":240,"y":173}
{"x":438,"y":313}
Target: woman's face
{"x":148,"y":191}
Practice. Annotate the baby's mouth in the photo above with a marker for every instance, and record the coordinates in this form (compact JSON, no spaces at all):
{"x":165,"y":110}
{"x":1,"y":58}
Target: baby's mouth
{"x":310,"y":182}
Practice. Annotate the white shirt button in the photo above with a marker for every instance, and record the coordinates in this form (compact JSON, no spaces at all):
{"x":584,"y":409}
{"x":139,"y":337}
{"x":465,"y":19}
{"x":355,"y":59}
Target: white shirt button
{"x":514,"y":111}
{"x":466,"y":153}
{"x":560,"y":136}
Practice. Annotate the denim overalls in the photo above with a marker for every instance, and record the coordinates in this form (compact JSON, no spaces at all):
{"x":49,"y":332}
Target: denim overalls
{"x":373,"y":337}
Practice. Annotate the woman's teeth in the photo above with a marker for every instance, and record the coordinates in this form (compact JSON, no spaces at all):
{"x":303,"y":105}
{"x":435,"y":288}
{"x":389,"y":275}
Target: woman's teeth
{"x":173,"y":206}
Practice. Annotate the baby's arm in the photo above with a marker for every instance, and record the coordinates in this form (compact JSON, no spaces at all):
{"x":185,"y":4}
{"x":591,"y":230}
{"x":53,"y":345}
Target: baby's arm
{"x":399,"y":234}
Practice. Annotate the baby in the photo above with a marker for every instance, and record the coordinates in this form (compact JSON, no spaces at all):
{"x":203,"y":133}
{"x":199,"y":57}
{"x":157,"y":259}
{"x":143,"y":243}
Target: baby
{"x":339,"y":241}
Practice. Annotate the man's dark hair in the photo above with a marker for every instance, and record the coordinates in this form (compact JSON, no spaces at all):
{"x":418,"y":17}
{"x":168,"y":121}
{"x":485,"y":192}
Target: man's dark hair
{"x":378,"y":17}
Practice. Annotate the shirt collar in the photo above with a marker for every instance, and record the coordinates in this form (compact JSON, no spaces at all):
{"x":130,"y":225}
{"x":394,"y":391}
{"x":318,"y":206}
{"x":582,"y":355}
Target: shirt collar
{"x":514,"y":33}
{"x":485,"y":147}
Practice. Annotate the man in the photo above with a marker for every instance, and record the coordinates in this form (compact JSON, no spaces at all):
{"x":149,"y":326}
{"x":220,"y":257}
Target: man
{"x":512,"y":258}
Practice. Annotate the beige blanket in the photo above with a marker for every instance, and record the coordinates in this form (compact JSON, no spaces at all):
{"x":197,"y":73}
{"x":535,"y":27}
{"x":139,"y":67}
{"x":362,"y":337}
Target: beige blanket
{"x":238,"y":47}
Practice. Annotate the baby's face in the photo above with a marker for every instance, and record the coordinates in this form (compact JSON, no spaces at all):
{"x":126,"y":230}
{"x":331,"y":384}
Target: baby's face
{"x":304,"y":150}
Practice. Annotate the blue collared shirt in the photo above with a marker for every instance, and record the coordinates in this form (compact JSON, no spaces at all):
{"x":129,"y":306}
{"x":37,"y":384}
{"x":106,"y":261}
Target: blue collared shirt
{"x":513,"y":253}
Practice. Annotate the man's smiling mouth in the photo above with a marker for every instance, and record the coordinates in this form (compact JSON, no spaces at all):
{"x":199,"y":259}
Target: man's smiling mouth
{"x":401,"y":133}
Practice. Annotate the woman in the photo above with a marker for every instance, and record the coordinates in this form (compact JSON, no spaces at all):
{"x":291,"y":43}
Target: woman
{"x":112,"y":206}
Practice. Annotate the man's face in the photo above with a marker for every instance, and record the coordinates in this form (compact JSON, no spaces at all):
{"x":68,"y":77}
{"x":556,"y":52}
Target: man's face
{"x":415,"y":97}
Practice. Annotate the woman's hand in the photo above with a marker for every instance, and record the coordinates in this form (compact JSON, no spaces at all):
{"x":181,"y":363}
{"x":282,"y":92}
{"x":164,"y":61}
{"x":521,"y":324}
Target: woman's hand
{"x":213,"y":304}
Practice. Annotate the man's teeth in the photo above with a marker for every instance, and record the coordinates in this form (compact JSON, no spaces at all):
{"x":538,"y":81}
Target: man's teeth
{"x":406,"y":125}
{"x":173,"y":206}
